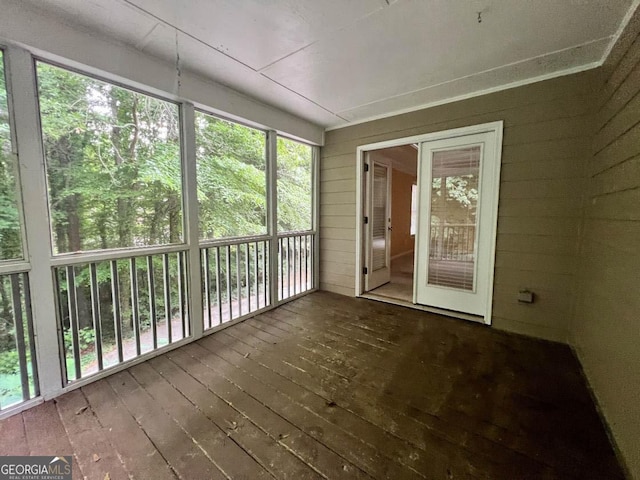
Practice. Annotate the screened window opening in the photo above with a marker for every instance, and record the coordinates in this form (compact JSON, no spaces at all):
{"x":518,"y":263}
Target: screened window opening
{"x":10,"y":231}
{"x":232,"y":182}
{"x":295,"y":206}
{"x":113,"y":164}
{"x":295,"y":201}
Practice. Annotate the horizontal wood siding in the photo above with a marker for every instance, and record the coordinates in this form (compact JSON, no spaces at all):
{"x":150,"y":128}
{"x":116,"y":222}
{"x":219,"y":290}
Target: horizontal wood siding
{"x":606,"y":326}
{"x":548,"y":130}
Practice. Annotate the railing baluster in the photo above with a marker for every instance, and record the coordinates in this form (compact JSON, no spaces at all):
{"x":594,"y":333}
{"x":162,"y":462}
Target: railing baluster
{"x":218,"y":291}
{"x":182,"y":292}
{"x":58,"y":272}
{"x":95,"y":314}
{"x":30,"y":332}
{"x":312,"y":264}
{"x":166,"y":274}
{"x":135,"y":305}
{"x":19,"y":330}
{"x":73,"y":319}
{"x":306,"y":262}
{"x":256,"y":274}
{"x":288,"y":267}
{"x":247,"y":275}
{"x":281,"y":272}
{"x":295,"y":265}
{"x":117,"y":315}
{"x":207,"y":283}
{"x":300,"y":256}
{"x":238,"y":283}
{"x":229,"y":281}
{"x":299,"y":279}
{"x":151,"y":281}
{"x":265,"y":293}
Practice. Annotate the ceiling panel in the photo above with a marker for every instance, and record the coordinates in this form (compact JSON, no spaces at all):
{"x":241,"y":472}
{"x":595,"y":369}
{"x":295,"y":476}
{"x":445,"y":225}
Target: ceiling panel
{"x":415,"y":44}
{"x":259,"y":32}
{"x":112,"y":18}
{"x":502,"y":77}
{"x":164,"y":42}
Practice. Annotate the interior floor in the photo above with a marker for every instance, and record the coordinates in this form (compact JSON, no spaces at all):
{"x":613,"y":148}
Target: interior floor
{"x":329,"y":386}
{"x":401,"y":285}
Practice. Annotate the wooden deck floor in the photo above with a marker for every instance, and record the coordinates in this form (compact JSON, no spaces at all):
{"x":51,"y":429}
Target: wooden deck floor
{"x":337,"y":388}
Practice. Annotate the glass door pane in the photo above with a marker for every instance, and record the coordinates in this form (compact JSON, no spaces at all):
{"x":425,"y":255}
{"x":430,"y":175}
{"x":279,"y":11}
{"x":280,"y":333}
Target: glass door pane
{"x":379,"y":220}
{"x":455,"y":177}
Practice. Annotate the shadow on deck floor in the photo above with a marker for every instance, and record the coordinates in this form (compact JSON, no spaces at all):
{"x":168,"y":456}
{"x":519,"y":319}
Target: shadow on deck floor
{"x":334,"y":387}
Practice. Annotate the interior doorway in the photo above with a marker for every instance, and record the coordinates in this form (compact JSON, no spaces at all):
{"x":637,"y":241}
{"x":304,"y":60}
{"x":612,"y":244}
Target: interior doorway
{"x":428,"y":209}
{"x":391,"y":189}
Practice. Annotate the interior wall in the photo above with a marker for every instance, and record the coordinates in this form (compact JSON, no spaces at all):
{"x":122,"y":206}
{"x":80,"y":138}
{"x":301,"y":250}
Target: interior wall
{"x":401,"y":239}
{"x":606,"y":326}
{"x":546,"y":144}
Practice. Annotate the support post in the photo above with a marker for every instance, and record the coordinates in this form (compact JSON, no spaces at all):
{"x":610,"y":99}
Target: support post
{"x":272,"y":213}
{"x":24,"y":96}
{"x":191,"y":226}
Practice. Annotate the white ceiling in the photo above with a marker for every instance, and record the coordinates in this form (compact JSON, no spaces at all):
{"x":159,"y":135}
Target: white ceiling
{"x":335,"y":62}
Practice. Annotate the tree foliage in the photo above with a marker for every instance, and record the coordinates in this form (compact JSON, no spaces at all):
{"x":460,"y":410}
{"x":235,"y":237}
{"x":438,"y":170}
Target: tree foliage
{"x":113,"y":164}
{"x":294,"y":186}
{"x":10,"y":244}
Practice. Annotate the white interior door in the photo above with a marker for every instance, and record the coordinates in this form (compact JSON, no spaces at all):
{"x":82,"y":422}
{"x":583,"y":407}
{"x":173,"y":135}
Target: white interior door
{"x":458,"y":184}
{"x":378,"y":264}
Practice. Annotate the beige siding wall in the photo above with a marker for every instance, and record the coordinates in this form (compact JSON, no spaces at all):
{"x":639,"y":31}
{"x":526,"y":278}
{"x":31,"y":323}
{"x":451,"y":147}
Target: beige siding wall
{"x":606,"y":328}
{"x":546,"y":144}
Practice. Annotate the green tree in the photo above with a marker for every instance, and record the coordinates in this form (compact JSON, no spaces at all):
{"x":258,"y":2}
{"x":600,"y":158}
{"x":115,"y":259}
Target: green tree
{"x":294,"y":185}
{"x":232,"y":187}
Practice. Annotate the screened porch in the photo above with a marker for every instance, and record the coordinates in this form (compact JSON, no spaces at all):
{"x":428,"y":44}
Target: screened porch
{"x":131,"y":224}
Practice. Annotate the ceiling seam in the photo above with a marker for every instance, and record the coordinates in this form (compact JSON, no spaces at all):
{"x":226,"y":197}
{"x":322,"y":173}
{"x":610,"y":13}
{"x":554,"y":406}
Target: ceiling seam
{"x":145,"y":40}
{"x":161,"y":20}
{"x":302,"y":96}
{"x":350,"y":25}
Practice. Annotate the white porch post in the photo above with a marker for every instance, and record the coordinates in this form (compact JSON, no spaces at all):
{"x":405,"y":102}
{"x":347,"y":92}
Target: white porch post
{"x":191,"y":226}
{"x":22,"y":79}
{"x":315,"y":192}
{"x":272,"y":212}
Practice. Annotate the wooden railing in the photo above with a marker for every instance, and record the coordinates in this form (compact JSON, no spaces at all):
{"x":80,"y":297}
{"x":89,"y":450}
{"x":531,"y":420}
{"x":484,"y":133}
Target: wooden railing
{"x":295,"y":263}
{"x":18,"y":368}
{"x":235,"y":279}
{"x":453,"y":242}
{"x":117,"y":309}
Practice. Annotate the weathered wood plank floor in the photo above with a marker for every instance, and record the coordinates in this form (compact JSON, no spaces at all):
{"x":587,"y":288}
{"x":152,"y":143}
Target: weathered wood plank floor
{"x":332,"y":387}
